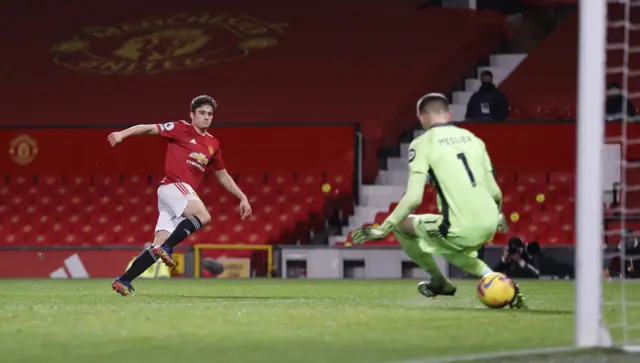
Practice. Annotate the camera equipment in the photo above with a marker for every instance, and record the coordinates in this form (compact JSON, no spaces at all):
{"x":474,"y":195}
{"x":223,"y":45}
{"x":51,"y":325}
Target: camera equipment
{"x":514,"y":244}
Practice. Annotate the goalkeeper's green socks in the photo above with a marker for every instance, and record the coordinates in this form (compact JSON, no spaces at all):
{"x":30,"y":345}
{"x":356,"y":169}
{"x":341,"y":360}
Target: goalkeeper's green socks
{"x":469,"y":264}
{"x":411,"y":246}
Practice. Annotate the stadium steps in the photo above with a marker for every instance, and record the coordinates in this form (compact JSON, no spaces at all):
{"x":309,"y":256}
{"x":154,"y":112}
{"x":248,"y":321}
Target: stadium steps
{"x":391,"y":183}
{"x":501,"y":65}
{"x":374,"y":199}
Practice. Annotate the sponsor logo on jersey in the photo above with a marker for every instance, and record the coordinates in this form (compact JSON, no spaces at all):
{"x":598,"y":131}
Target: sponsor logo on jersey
{"x":23,"y":149}
{"x":176,"y":42}
{"x":201,"y":160}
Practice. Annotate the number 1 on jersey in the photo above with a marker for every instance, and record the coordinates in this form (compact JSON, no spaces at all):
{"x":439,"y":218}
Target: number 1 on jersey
{"x":463,"y":158}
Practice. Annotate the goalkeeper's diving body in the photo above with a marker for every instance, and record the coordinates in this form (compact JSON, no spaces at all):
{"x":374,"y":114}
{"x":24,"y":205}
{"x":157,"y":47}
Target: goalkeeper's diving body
{"x":469,"y":200}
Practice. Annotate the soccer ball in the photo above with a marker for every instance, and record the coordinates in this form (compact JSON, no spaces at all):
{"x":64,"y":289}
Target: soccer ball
{"x":496,"y":290}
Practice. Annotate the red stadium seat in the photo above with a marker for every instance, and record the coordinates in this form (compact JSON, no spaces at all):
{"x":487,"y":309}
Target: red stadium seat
{"x":509,"y":203}
{"x":255,"y":239}
{"x":282,"y":202}
{"x":78,"y":181}
{"x":130,"y":240}
{"x":562,"y":178}
{"x":9,"y":239}
{"x":280,"y":181}
{"x":239,"y":233}
{"x":267,"y":191}
{"x":270,"y":231}
{"x":4,"y":214}
{"x":86,"y":233}
{"x":287,"y":225}
{"x":311,"y":182}
{"x":122,"y":192}
{"x":341,"y":182}
{"x":5,"y":191}
{"x":49,"y":181}
{"x":21,"y":182}
{"x":133,"y":203}
{"x":268,"y":212}
{"x":105,"y":182}
{"x":532,"y":179}
{"x":224,"y":238}
{"x":43,"y":239}
{"x":135,"y":181}
{"x":250,"y":183}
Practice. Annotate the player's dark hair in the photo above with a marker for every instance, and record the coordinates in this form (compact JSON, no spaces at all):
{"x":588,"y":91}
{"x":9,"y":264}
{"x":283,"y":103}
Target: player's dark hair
{"x":202,"y":101}
{"x":433,"y":103}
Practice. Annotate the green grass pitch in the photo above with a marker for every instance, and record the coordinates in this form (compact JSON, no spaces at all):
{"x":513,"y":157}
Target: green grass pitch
{"x":246,"y":321}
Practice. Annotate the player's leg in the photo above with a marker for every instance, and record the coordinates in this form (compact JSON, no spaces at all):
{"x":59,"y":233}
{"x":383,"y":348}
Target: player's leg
{"x":469,"y":262}
{"x":413,"y":247}
{"x":193,"y":214}
{"x":467,"y":259}
{"x":146,"y":259}
{"x":419,"y":250}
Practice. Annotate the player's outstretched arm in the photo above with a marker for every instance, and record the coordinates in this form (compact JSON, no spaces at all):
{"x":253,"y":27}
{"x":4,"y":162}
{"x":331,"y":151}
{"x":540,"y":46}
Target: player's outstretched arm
{"x":117,"y":137}
{"x":229,"y":184}
{"x":410,"y":201}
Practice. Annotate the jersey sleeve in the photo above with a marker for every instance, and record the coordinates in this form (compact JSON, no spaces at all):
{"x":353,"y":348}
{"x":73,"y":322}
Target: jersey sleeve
{"x":171,"y":130}
{"x":418,"y":171}
{"x":418,"y":157}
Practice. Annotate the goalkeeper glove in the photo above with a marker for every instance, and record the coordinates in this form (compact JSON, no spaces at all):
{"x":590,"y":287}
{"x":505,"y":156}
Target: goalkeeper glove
{"x":503,"y":226}
{"x":371,"y":233}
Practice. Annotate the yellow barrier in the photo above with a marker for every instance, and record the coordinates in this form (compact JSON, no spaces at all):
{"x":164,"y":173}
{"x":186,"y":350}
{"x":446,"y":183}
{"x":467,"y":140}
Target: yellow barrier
{"x":209,"y":246}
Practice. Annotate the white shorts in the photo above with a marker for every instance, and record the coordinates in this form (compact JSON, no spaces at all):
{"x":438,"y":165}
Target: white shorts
{"x":172,"y":201}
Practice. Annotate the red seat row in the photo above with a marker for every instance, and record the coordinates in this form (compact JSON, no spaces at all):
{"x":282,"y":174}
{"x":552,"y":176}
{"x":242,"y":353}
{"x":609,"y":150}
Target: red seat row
{"x":538,"y":207}
{"x":91,"y":210}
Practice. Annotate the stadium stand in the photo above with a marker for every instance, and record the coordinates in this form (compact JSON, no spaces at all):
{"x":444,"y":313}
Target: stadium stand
{"x":540,"y":208}
{"x":544,"y":85}
{"x":363,"y":68}
{"x":99,"y":210}
{"x":293,"y":59}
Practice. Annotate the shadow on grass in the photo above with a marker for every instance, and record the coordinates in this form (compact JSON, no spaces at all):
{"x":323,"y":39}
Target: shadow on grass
{"x":509,"y":311}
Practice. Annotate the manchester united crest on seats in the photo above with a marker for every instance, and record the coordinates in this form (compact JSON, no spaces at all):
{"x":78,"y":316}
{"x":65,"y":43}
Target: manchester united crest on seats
{"x":23,"y":149}
{"x":177,"y":42}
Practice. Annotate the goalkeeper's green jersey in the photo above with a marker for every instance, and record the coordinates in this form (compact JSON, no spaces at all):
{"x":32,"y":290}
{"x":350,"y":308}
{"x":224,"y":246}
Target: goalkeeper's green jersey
{"x":458,"y":165}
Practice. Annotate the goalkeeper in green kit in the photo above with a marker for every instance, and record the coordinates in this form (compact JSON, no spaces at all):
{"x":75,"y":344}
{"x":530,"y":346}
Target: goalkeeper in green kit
{"x":469,"y":200}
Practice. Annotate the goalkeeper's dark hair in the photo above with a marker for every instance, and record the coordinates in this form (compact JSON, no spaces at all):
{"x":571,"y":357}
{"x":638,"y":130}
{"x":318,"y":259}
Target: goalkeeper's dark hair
{"x":432,"y":103}
{"x":202,"y":101}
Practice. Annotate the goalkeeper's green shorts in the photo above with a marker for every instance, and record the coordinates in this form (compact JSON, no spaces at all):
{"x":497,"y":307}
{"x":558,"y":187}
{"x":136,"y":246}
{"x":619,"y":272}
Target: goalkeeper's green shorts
{"x":457,"y":240}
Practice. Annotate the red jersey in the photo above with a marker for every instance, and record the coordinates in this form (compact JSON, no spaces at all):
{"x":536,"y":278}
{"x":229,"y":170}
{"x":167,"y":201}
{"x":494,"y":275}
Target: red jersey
{"x":189,"y":154}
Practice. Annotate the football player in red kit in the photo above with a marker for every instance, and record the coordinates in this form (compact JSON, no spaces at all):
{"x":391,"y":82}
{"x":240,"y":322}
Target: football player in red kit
{"x":191,"y":152}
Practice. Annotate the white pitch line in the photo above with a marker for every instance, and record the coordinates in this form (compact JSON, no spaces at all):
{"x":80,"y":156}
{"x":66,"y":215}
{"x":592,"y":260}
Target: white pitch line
{"x":474,"y":357}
